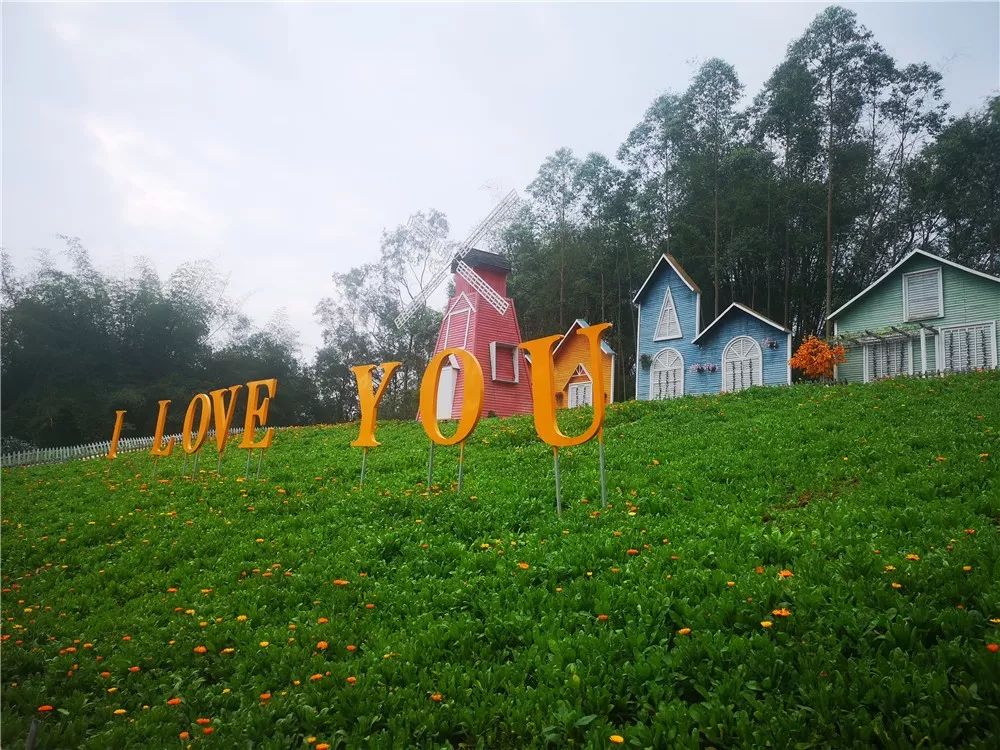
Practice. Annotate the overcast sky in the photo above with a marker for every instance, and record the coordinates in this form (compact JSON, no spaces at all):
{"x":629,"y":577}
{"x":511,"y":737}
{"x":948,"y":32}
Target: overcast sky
{"x":279,"y":141}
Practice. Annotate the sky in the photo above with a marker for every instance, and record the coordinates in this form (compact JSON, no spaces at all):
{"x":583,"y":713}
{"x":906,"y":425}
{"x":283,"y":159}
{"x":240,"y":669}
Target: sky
{"x":280,"y":141}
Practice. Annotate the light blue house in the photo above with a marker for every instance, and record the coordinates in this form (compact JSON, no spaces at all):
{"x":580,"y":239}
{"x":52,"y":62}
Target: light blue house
{"x":676,"y":356}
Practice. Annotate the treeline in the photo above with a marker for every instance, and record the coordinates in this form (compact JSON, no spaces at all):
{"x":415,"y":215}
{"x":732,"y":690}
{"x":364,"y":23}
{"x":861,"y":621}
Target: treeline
{"x":79,"y":344}
{"x":840,"y":165}
{"x":790,"y":201}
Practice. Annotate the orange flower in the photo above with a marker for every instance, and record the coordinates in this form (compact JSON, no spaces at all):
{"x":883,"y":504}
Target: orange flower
{"x":200,"y":650}
{"x":322,"y":646}
{"x":991,"y":647}
{"x":316,"y":677}
{"x":912,"y":556}
{"x":436,"y":697}
{"x":369,"y":606}
{"x":265,"y":696}
{"x":105,"y":675}
{"x":684,"y":631}
{"x":133,"y":669}
{"x":322,"y":621}
{"x":781,"y":612}
{"x":126,"y":638}
{"x":970,"y":532}
{"x":184,"y":735}
{"x":45,"y":709}
{"x":352,"y":648}
{"x":351,"y":680}
{"x":202,"y":721}
{"x":633,"y":552}
{"x":323,"y":746}
{"x":759,"y":569}
{"x":208,"y":730}
{"x":730,"y":584}
{"x":173,"y":701}
{"x":616,"y":739}
{"x":340,"y":582}
{"x":523,"y":565}
{"x":785,"y":574}
{"x":120,"y":712}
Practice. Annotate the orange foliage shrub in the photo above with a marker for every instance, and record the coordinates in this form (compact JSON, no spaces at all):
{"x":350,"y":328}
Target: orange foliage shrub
{"x":816,"y":358}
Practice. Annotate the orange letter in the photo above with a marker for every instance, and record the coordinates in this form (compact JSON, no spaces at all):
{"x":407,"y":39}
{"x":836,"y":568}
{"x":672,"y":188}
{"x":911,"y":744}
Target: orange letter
{"x":116,"y":434}
{"x":472,"y":404}
{"x":543,"y":387}
{"x":257,"y":413}
{"x":369,"y":400}
{"x":158,"y":448}
{"x":224,"y":413}
{"x":190,"y":446}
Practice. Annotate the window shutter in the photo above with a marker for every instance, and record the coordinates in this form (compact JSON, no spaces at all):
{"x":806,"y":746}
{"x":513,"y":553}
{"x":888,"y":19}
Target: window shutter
{"x":923,"y":294}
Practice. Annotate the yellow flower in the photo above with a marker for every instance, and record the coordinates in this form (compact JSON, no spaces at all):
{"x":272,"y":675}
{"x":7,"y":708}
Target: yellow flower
{"x":966,"y":568}
{"x":120,"y":712}
{"x":523,"y":565}
{"x":265,"y":644}
{"x":897,"y":585}
{"x":684,"y":631}
{"x":241,"y":618}
{"x":616,"y":739}
{"x":912,"y":556}
{"x":766,"y":623}
{"x":889,"y":568}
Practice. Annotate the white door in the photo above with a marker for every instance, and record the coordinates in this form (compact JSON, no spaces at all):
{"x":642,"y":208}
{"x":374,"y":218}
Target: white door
{"x":581,"y":394}
{"x":741,"y":364}
{"x":446,"y":391}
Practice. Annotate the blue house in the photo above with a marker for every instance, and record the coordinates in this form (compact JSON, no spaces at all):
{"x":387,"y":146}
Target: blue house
{"x":676,"y":356}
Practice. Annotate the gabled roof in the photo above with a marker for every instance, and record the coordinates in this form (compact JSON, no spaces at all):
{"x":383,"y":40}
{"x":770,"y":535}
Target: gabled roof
{"x":578,"y":323}
{"x":678,"y":269}
{"x":888,"y":273}
{"x":482,"y":259}
{"x":581,"y":323}
{"x":748,"y":311}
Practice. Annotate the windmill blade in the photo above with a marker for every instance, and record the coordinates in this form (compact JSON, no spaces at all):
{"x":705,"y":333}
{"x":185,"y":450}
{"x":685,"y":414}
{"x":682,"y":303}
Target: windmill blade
{"x":479,"y":284}
{"x":501,"y":212}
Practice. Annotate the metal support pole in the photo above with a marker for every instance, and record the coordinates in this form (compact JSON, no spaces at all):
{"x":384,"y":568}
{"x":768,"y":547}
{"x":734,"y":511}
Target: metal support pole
{"x":260,"y":460}
{"x":246,"y":474}
{"x":194,"y":471}
{"x":218,"y":466}
{"x":461,"y":464}
{"x":364,"y":460}
{"x":604,"y":484}
{"x":430,"y":467}
{"x":156,"y":465}
{"x":555,"y":463}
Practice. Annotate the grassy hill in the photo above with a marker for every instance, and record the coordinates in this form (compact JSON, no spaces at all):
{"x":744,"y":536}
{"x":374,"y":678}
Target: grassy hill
{"x":393,"y":616}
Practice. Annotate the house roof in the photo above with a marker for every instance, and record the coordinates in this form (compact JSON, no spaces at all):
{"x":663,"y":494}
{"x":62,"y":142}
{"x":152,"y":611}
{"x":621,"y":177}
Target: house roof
{"x":578,"y":323}
{"x":748,"y":311}
{"x":678,"y":269}
{"x":480,"y":258}
{"x":581,"y":323}
{"x":892,"y":270}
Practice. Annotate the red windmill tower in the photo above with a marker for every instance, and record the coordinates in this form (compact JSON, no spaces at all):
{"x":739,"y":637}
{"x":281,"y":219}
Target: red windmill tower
{"x":481,"y":319}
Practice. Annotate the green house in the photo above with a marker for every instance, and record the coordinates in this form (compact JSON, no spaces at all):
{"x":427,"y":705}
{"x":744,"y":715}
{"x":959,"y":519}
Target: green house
{"x":925,"y":315}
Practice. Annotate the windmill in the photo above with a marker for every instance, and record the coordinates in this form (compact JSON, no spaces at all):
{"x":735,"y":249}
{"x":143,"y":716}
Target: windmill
{"x":479,"y":318}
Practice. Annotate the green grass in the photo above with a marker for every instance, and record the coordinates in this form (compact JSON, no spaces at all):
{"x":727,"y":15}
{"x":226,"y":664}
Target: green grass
{"x":831,"y":483}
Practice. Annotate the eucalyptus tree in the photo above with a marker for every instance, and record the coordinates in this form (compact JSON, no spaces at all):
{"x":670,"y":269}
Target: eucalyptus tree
{"x":835,"y":49}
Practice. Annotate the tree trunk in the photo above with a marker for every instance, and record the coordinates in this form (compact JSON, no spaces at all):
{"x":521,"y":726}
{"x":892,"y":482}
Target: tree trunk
{"x":715,"y":248}
{"x":829,"y":220}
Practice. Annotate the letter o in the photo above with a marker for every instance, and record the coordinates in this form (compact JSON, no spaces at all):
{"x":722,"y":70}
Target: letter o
{"x":206,"y":414}
{"x":472,"y":403}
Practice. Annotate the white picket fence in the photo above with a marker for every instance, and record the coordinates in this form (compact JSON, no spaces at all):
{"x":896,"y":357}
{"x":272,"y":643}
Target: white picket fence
{"x":90,"y":450}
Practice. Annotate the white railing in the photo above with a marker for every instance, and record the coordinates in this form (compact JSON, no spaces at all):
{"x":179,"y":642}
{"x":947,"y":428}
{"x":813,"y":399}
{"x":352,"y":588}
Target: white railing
{"x":90,"y":450}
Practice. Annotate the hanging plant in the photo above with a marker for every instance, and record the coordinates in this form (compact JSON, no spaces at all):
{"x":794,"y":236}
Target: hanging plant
{"x":645,"y":360}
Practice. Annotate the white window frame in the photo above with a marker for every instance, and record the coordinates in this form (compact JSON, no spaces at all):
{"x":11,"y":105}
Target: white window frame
{"x":652,"y":370}
{"x":722,"y":363}
{"x":668,"y":297}
{"x":939,"y":342}
{"x":940,"y":285}
{"x":455,"y":311}
{"x":493,"y":362}
{"x":866,"y":350}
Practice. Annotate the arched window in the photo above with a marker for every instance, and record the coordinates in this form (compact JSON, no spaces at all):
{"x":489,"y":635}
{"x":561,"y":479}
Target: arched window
{"x":666,"y":375}
{"x":741,"y":364}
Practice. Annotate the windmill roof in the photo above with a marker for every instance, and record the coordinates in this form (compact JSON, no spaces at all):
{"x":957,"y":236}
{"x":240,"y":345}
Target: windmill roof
{"x":480,"y":258}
